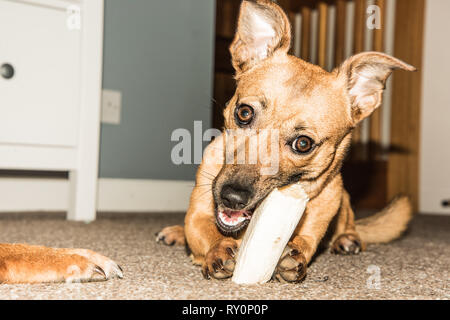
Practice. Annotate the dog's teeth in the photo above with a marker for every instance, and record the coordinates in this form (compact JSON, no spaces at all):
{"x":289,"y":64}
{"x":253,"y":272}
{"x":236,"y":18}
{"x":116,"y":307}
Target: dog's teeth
{"x":230,"y":221}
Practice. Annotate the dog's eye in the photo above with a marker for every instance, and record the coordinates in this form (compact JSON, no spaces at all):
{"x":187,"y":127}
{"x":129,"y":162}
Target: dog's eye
{"x":244,"y":114}
{"x":303,"y":144}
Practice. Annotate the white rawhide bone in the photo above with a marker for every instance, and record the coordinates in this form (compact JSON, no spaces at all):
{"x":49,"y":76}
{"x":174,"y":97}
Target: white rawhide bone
{"x":268,"y":233}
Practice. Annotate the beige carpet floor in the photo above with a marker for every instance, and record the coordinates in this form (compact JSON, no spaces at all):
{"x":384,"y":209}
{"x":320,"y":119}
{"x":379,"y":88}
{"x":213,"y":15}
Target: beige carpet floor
{"x":414,"y":267}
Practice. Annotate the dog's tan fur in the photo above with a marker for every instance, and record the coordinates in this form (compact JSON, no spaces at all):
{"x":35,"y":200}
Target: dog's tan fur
{"x":299,"y":99}
{"x":21,"y":263}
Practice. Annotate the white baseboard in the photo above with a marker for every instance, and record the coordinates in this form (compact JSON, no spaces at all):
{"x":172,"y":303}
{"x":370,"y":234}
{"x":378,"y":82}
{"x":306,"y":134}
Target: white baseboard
{"x":431,"y":200}
{"x":114,"y":195}
{"x":128,"y":195}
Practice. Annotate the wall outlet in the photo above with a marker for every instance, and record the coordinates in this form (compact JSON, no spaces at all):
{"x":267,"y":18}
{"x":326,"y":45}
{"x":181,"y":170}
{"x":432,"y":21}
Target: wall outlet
{"x":111,"y":106}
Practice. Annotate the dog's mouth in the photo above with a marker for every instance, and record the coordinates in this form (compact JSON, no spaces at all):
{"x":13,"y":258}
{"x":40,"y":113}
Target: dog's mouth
{"x":232,"y":221}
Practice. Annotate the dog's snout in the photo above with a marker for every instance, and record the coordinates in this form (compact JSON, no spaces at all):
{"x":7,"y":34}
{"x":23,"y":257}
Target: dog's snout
{"x":235,"y":197}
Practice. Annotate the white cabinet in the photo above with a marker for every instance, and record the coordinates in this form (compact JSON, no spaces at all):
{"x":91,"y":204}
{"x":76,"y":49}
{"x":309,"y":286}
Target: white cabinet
{"x":50,"y":86}
{"x":40,"y":103}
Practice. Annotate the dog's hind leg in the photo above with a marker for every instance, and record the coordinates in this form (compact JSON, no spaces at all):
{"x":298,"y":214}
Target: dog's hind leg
{"x":173,"y":235}
{"x":345,"y":239}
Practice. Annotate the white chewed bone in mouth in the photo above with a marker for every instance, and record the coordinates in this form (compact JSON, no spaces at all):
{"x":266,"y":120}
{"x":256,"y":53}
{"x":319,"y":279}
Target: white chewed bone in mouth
{"x":268,"y":233}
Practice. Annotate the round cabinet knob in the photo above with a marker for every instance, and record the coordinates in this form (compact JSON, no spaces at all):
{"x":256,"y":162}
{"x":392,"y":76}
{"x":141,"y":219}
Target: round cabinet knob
{"x":7,"y":71}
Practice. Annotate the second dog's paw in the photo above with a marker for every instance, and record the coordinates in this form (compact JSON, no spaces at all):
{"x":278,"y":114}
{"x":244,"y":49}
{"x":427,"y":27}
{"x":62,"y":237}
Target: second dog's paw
{"x":173,"y":235}
{"x":292,"y":265}
{"x":220,"y":260}
{"x":103,"y":267}
{"x":347,"y":244}
{"x":36,"y":264}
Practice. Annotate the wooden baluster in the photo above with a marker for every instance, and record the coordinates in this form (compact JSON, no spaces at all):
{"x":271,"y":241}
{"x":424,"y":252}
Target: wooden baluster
{"x":339,"y":38}
{"x":294,"y":35}
{"x":375,"y":119}
{"x":359,"y":27}
{"x":358,"y":46}
{"x":306,"y":33}
{"x":286,"y":5}
{"x":322,"y":33}
{"x":378,"y":36}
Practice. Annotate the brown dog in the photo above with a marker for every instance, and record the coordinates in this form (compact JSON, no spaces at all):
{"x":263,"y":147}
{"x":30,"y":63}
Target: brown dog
{"x":314,"y":112}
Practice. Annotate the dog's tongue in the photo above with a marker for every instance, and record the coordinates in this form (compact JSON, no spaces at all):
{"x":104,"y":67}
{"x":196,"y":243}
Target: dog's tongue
{"x":236,"y":214}
{"x":233,"y":217}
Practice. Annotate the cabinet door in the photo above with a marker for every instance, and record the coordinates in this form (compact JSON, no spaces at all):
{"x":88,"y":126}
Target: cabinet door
{"x":40,"y":103}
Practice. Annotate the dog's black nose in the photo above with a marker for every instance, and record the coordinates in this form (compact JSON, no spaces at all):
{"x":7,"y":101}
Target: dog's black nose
{"x":235,"y":197}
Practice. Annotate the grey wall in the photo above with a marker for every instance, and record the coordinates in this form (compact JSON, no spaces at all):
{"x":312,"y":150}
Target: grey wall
{"x":159,"y":54}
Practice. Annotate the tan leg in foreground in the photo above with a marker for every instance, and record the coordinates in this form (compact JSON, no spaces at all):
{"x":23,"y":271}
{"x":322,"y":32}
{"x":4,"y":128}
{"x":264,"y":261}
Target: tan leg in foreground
{"x":20,"y":263}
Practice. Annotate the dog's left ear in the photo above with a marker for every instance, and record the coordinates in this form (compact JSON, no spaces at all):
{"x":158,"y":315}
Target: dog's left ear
{"x":263,"y":29}
{"x":366,"y":74}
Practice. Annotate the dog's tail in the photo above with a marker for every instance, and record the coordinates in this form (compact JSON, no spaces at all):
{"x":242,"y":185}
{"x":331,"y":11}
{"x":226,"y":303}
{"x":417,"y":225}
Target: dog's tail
{"x":387,"y":224}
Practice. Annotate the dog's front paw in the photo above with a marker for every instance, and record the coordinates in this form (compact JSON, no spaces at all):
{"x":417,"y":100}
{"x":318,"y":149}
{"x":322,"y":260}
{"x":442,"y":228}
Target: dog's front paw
{"x":220,"y":260}
{"x":292,"y":265}
{"x":347,"y":243}
{"x":173,"y":235}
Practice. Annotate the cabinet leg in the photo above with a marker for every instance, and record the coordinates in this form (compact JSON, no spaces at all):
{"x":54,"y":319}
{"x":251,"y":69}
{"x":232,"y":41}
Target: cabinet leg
{"x":83,"y":180}
{"x":82,"y":197}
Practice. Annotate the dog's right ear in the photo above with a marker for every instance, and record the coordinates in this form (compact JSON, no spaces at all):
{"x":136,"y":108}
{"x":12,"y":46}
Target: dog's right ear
{"x":263,"y":29}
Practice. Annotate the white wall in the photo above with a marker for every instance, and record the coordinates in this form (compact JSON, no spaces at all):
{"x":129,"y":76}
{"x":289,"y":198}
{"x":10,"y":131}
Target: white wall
{"x":435,"y":127}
